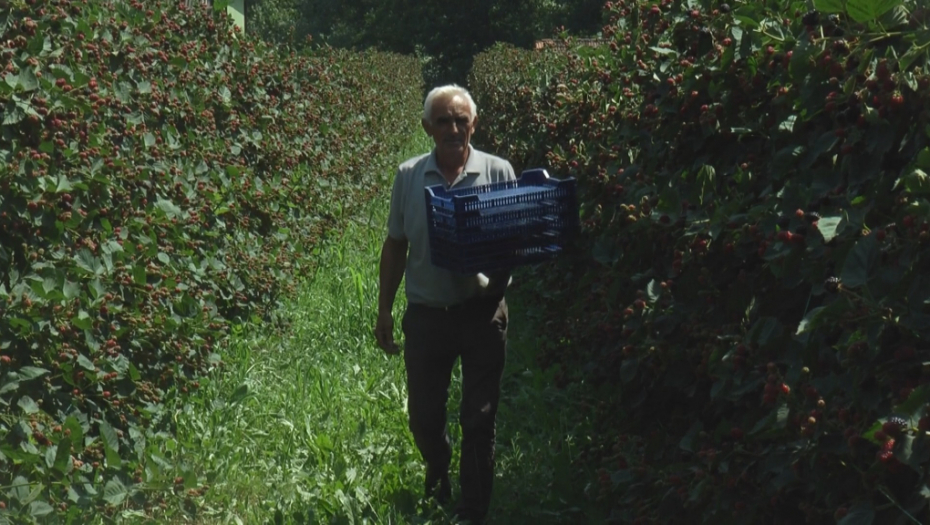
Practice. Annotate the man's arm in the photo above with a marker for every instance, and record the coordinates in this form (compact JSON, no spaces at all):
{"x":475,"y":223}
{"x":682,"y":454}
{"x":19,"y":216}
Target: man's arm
{"x":390,"y":272}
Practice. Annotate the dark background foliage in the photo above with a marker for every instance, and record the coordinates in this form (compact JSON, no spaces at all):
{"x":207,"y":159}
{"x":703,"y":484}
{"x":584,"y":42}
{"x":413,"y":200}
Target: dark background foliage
{"x":445,"y":35}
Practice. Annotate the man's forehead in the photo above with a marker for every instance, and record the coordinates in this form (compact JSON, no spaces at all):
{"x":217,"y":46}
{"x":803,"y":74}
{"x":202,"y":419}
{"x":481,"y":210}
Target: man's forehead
{"x":450,"y":103}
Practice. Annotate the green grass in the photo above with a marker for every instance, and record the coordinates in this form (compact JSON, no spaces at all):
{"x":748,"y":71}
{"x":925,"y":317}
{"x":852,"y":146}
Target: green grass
{"x":310,"y":426}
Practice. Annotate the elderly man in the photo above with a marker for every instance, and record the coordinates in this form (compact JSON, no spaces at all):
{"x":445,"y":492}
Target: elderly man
{"x":448,"y":315}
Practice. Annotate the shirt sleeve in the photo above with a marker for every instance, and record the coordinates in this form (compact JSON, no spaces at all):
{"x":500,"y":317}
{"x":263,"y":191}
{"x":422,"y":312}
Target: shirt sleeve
{"x":508,"y":171}
{"x":396,"y":214}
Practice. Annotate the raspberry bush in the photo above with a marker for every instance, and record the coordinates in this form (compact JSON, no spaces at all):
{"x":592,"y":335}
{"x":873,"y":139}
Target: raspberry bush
{"x":749,"y":300}
{"x":162,"y":178}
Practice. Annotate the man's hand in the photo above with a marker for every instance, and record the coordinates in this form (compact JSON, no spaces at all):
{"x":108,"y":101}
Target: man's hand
{"x":384,"y":333}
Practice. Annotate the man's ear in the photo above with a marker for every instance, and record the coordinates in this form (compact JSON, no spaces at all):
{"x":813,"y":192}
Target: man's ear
{"x":426,"y":127}
{"x":474,"y":122}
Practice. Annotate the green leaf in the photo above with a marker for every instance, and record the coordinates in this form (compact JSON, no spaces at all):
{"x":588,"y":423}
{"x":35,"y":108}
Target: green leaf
{"x":28,"y":405}
{"x":139,"y":275}
{"x":63,"y":456}
{"x":669,"y":202}
{"x":109,"y":435}
{"x":893,"y":19}
{"x":61,"y":71}
{"x":71,"y":290}
{"x":40,"y":508}
{"x":9,"y":385}
{"x":86,"y":260}
{"x":145,"y":87}
{"x":113,"y":458}
{"x":706,"y":177}
{"x":110,"y":445}
{"x":867,"y":10}
{"x":782,"y":418}
{"x":123,"y":92}
{"x":830,"y":6}
{"x":28,"y":80}
{"x":241,"y":392}
{"x":860,"y":262}
{"x":788,"y":124}
{"x":914,"y":451}
{"x":687,"y":440}
{"x":914,"y":402}
{"x":862,"y":513}
{"x":149,"y":140}
{"x":31,"y":372}
{"x":807,"y":323}
{"x":85,"y":363}
{"x":923,"y":159}
{"x":83,"y":320}
{"x":63,"y":184}
{"x":20,"y":490}
{"x":77,"y":433}
{"x":763,"y":423}
{"x":115,"y":492}
{"x":653,"y":290}
{"x":917,"y":182}
{"x":830,"y":227}
{"x":912,"y":54}
{"x":170,"y":208}
{"x":737,"y":33}
{"x":13,"y":115}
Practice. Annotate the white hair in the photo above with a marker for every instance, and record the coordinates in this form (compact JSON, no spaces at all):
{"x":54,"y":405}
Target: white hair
{"x":450,"y":90}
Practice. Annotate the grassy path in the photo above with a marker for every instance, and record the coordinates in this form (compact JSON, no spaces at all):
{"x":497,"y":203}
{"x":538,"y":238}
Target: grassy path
{"x":310,"y":426}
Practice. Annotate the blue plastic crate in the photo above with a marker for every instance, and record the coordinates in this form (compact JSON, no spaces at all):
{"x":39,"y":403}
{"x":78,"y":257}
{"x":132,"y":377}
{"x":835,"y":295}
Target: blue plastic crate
{"x":501,"y":225}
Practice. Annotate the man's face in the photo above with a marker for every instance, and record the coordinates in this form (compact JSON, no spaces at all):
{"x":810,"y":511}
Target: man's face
{"x":451,"y":127}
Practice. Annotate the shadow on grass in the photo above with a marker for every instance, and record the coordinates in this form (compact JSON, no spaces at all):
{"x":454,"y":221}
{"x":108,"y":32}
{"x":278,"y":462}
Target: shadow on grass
{"x":540,"y":432}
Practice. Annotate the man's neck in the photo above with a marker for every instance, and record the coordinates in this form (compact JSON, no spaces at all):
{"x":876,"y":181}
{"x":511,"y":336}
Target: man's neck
{"x":451,"y":168}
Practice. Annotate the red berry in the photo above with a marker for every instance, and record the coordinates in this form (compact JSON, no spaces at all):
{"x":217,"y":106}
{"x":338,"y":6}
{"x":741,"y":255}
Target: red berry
{"x":891,"y":428}
{"x":799,"y":213}
{"x":785,"y":389}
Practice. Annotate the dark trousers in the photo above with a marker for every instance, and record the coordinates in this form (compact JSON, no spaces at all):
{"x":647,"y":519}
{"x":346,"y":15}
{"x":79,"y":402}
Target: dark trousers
{"x":477,"y":333}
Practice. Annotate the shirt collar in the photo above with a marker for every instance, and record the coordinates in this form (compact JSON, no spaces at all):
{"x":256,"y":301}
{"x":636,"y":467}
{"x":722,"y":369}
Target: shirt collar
{"x":472,"y":166}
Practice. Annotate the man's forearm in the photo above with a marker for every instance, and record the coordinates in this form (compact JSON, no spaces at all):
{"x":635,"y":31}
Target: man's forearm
{"x":391,"y":272}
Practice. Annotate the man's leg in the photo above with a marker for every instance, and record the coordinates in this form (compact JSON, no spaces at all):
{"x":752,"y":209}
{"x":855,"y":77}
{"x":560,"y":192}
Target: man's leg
{"x":483,"y":357}
{"x":428,"y":359}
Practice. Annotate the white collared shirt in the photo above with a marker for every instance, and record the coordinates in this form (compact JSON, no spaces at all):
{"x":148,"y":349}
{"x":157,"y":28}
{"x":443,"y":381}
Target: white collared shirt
{"x":427,"y":284}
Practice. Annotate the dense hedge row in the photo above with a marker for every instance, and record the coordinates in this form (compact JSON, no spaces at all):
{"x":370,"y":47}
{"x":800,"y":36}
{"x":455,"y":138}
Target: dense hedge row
{"x":161,"y":177}
{"x":750,"y":303}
